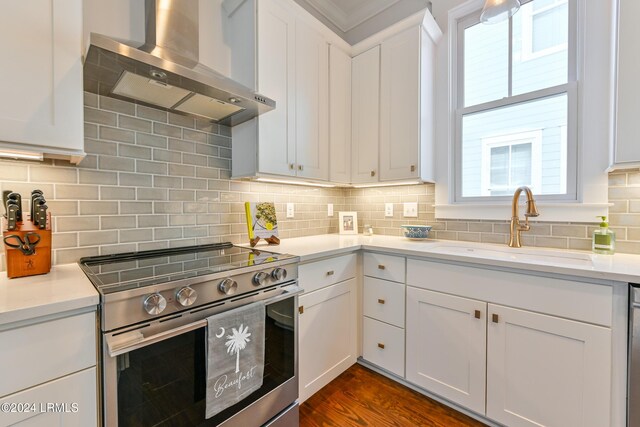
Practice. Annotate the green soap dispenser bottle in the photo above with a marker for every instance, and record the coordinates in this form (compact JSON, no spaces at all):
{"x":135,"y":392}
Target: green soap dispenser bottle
{"x":604,"y":240}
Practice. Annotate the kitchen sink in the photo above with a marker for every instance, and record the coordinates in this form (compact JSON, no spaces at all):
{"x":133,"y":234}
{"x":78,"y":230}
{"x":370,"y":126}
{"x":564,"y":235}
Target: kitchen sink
{"x":526,"y":255}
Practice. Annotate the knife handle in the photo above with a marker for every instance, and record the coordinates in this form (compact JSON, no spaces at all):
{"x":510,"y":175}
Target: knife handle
{"x":17,"y":199}
{"x":5,"y":198}
{"x":34,"y":195}
{"x":42,"y":216}
{"x":12,"y":215}
{"x":37,"y":203}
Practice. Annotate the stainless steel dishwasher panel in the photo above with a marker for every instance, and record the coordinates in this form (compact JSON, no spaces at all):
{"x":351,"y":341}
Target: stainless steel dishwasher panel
{"x":634,"y":357}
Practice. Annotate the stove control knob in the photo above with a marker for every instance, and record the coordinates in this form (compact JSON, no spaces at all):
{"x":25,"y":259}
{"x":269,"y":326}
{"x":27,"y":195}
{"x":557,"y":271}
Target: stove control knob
{"x":260,"y":278}
{"x":228,"y":286}
{"x":186,"y":296}
{"x":155,"y":304}
{"x":279,"y":273}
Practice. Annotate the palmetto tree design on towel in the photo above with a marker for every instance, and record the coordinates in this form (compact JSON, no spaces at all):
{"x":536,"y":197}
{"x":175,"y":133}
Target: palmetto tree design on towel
{"x":237,"y":341}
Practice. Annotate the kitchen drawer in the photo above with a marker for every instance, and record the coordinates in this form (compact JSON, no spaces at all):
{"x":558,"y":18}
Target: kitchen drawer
{"x":383,"y":345}
{"x":387,"y":267}
{"x":39,"y":353}
{"x":384,"y":301}
{"x":586,"y":302}
{"x":77,"y":392}
{"x":316,"y":275}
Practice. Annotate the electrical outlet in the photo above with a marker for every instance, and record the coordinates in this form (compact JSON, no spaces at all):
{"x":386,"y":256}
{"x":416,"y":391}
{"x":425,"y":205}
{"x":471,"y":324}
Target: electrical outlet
{"x":290,"y":211}
{"x":411,"y":210}
{"x":388,"y":209}
{"x":330,"y":209}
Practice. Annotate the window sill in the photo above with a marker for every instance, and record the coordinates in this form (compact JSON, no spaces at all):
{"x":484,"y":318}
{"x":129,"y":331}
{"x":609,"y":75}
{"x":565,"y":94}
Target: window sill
{"x":549,"y":212}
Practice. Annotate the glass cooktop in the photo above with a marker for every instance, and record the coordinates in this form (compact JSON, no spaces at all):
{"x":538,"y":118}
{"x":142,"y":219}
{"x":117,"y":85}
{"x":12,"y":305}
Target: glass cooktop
{"x":119,"y":272}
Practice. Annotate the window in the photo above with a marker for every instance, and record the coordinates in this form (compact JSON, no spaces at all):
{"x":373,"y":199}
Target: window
{"x":510,"y":161}
{"x":516,"y":105}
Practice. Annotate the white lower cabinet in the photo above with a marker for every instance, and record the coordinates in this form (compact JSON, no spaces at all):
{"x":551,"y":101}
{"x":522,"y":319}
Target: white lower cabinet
{"x":383,"y":345}
{"x":69,"y":401}
{"x":518,"y":367}
{"x":547,"y":371}
{"x":446,"y":346}
{"x":327,"y":335}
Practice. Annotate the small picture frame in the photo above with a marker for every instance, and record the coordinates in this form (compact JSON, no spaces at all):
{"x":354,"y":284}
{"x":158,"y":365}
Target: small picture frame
{"x":348,"y":222}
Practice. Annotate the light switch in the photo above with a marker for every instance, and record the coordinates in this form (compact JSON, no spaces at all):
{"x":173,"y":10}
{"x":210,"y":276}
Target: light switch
{"x":411,"y":210}
{"x":388,"y":209}
{"x":290,"y":212}
{"x":330,"y":209}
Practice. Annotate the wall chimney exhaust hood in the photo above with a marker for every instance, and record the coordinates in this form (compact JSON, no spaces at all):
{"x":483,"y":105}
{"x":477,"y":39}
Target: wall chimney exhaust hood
{"x":165,"y":72}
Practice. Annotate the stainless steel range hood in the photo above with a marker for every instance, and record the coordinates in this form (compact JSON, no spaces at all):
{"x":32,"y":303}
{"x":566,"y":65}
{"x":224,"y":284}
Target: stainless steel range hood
{"x":165,"y":73}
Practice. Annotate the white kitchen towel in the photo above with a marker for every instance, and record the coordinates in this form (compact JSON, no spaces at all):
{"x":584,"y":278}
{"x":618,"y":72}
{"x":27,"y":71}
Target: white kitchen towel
{"x":235,"y":356}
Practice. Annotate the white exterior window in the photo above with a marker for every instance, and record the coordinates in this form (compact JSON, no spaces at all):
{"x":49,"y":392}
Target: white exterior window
{"x":506,"y":98}
{"x":509,"y":161}
{"x":543,"y":30}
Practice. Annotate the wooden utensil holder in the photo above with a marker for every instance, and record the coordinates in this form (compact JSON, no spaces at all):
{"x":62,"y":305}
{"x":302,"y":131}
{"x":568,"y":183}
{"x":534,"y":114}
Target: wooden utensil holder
{"x":19,"y":264}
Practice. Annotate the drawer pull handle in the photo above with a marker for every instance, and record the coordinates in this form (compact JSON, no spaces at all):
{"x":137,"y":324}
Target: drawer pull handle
{"x":380,"y":301}
{"x":301,"y":309}
{"x":495,"y":318}
{"x":330,"y":273}
{"x":381,"y":267}
{"x":380,"y":345}
{"x":477,"y":314}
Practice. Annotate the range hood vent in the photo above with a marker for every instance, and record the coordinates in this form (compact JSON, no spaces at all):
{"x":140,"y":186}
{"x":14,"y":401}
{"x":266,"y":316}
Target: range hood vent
{"x":165,"y":72}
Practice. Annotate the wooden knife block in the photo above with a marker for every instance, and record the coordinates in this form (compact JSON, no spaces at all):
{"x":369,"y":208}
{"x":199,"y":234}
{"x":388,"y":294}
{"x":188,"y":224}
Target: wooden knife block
{"x":19,"y":264}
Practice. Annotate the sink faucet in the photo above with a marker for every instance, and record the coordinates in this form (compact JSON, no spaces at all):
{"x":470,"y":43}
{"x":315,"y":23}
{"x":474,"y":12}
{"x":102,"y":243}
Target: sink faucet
{"x":532,"y":210}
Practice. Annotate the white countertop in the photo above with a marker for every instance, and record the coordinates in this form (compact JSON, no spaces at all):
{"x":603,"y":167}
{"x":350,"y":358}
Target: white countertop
{"x":64,"y":288}
{"x":618,"y":267}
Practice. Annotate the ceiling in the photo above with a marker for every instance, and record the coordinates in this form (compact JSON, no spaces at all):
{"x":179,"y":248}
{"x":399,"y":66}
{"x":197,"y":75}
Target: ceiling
{"x":355,"y":20}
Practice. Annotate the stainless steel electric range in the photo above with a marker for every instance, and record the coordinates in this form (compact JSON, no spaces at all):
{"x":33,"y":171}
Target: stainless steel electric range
{"x":154,"y":307}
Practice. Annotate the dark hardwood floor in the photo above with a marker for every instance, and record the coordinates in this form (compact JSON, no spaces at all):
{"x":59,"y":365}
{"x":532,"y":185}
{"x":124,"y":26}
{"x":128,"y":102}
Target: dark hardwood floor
{"x":361,"y":397}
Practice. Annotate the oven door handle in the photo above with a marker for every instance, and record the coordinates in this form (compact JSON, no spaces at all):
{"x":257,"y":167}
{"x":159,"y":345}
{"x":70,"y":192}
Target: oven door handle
{"x":134,"y":340}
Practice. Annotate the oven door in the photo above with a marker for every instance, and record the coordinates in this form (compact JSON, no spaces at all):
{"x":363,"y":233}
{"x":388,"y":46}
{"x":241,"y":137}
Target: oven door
{"x":155,"y":375}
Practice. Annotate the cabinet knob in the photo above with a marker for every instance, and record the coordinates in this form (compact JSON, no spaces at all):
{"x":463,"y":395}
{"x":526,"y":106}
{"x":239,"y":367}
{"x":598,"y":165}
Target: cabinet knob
{"x":373,"y":173}
{"x":413,"y":168}
{"x":300,"y":167}
{"x":330,"y":273}
{"x":380,"y":345}
{"x":292,"y":166}
{"x":380,"y":301}
{"x":477,"y":314}
{"x":495,"y":318}
{"x":301,"y":309}
{"x":381,"y":267}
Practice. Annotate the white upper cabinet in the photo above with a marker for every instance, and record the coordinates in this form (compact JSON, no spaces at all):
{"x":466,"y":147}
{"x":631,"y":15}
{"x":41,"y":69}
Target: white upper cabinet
{"x":393,"y":104}
{"x":626,"y":151}
{"x":365,"y":113}
{"x":276,"y":77}
{"x":41,"y":61}
{"x":312,"y":103}
{"x":339,"y":116}
{"x":288,"y":61}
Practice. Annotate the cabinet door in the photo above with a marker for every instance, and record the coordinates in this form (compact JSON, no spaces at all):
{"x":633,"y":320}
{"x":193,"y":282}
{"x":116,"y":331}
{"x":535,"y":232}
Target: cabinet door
{"x":41,"y":62}
{"x":276,"y":77}
{"x":312,"y":103}
{"x":446,"y":346}
{"x":627,"y":149}
{"x":75,"y":395}
{"x":339,"y":116}
{"x":327,"y":335}
{"x":547,"y":371}
{"x":400,"y":106}
{"x":365,"y":113}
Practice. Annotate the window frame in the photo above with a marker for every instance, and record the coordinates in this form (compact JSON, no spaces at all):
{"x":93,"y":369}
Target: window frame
{"x":570,"y":88}
{"x":596,"y":126}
